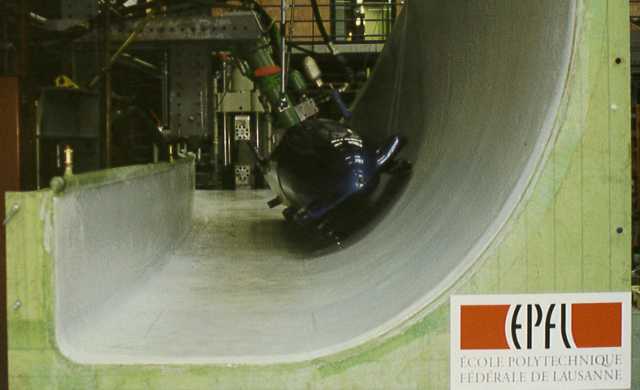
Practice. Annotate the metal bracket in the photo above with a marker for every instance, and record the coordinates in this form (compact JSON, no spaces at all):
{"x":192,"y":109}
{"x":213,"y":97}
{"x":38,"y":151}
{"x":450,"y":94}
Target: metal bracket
{"x":11,"y":213}
{"x":243,"y":175}
{"x":306,"y":109}
{"x":242,"y":128}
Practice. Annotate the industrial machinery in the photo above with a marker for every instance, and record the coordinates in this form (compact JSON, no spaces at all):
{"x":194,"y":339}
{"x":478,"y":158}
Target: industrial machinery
{"x":228,"y":94}
{"x":316,"y":164}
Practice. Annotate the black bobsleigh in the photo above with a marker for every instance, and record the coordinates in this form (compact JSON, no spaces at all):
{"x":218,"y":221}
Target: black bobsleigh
{"x":321,"y":163}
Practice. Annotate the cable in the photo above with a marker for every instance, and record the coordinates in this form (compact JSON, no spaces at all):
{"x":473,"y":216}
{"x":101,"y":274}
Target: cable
{"x":138,"y":29}
{"x":327,"y":40}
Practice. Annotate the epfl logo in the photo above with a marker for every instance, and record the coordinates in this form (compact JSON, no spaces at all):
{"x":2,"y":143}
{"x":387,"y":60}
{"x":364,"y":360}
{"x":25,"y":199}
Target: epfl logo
{"x":534,"y":319}
{"x":536,"y":326}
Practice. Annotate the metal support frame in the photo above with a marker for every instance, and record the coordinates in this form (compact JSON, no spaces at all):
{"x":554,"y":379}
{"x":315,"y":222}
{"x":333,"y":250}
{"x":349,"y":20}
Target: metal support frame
{"x":187,"y":79}
{"x":189,"y":91}
{"x":237,"y":26}
{"x":107,"y":83}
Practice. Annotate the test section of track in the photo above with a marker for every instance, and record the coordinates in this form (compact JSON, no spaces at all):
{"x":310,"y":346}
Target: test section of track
{"x":474,"y":86}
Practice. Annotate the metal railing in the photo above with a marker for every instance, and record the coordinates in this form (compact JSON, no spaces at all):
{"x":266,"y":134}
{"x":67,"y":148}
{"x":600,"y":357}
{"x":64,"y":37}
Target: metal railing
{"x":347,"y":21}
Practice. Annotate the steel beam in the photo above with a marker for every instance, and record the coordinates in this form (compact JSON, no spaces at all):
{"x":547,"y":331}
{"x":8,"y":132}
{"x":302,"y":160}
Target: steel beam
{"x":239,"y":26}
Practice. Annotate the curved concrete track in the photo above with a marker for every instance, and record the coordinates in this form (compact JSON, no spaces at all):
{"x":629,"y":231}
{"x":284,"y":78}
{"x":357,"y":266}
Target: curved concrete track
{"x":474,"y":85}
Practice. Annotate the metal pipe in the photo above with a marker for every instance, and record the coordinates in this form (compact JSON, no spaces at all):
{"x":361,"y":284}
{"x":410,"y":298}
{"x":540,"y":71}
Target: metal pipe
{"x":165,"y":89}
{"x":258,"y":132}
{"x":283,"y":54}
{"x":38,"y":145}
{"x":225,"y":140}
{"x":230,"y":141}
{"x":58,"y":157}
{"x":268,"y":119}
{"x":225,"y":132}
{"x":140,"y":64}
{"x":108,"y":61}
{"x":38,"y":19}
{"x":202,"y":109}
{"x":215,"y":152}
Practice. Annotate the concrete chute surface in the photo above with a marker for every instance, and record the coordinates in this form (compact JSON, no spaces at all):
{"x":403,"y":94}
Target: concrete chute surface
{"x":474,"y":86}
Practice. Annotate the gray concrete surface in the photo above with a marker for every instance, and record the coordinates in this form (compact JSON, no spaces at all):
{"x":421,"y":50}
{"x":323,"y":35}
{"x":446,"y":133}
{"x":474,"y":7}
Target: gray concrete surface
{"x":473,"y":85}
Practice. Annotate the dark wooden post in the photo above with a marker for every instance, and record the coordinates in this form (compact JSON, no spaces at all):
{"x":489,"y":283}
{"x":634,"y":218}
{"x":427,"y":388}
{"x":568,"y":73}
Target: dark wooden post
{"x":10,"y":179}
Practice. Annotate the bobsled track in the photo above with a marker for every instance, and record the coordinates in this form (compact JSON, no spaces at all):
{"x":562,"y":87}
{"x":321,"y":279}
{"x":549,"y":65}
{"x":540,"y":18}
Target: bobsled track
{"x":477,"y":108}
{"x":516,"y":116}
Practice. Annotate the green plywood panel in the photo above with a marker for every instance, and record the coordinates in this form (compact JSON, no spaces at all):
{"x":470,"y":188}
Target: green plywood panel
{"x":512,"y":260}
{"x":594,"y":193}
{"x":620,"y":149}
{"x":567,"y":224}
{"x":487,"y":277}
{"x":539,"y":217}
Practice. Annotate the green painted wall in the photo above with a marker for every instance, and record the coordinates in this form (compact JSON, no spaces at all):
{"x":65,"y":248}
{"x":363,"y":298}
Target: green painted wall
{"x":562,"y":238}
